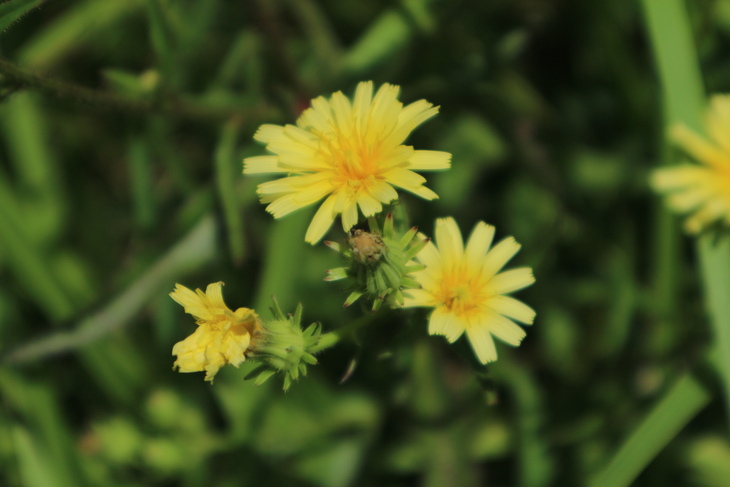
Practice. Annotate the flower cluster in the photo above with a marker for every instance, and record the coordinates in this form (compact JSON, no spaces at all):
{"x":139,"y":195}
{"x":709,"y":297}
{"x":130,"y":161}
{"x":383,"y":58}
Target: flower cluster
{"x":230,"y":337}
{"x":351,"y":156}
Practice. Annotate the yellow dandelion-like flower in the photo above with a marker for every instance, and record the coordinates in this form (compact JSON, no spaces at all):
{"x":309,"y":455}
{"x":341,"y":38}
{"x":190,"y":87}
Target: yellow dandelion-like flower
{"x":223,"y":336}
{"x":467,"y":291}
{"x":701,"y":190}
{"x":350,"y":154}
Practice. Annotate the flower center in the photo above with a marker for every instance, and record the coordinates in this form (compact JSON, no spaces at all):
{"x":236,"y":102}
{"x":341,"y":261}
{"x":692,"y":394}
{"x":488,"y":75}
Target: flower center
{"x":460,"y":295}
{"x":354,"y":160}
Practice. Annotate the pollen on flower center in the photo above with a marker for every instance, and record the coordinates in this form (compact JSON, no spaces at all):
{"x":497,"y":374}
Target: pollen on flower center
{"x":462,"y":298}
{"x":355,"y":165}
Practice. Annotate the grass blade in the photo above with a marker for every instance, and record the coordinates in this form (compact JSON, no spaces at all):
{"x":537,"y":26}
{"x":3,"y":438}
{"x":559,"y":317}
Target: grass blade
{"x":226,"y":177}
{"x":194,"y":250}
{"x":715,"y":263}
{"x":683,"y":401}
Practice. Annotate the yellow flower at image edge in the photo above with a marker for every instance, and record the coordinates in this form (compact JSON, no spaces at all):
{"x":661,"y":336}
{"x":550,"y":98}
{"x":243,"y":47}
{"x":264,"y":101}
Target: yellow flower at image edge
{"x":349,"y":153}
{"x":701,"y":190}
{"x":466,"y":290}
{"x":223,"y":336}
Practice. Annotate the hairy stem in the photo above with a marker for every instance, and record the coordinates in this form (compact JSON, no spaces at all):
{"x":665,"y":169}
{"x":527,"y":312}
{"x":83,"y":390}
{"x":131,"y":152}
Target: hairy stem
{"x":21,"y":77}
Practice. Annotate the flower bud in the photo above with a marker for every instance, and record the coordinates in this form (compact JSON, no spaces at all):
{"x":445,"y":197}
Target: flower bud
{"x":280,"y":345}
{"x":378,"y":263}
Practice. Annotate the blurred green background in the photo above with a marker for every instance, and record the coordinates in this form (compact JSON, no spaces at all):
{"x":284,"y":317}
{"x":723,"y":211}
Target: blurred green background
{"x":123,"y":125}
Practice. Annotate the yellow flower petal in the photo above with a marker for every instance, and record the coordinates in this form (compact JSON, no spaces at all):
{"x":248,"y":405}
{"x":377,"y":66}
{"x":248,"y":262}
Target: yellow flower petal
{"x":261,"y":164}
{"x":448,"y":238}
{"x":512,"y":308}
{"x":322,"y":220}
{"x":482,"y":343}
{"x":478,"y":245}
{"x":499,"y":256}
{"x":429,"y":160}
{"x":511,"y":280}
{"x":504,"y":329}
{"x":447,"y":324}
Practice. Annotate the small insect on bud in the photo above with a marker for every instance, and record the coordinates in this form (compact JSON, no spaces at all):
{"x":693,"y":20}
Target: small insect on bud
{"x":366,"y":246}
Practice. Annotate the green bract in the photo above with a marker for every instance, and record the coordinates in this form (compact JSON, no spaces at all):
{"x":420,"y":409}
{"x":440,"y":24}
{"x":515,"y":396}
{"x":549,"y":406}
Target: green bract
{"x":282,"y":346}
{"x":378,"y":263}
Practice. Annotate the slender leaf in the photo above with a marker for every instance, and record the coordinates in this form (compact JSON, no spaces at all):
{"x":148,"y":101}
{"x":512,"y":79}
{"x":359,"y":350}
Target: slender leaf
{"x":163,"y":41}
{"x":715,"y":264}
{"x":194,"y":250}
{"x":143,"y":196}
{"x":35,"y":468}
{"x":83,"y":21}
{"x":14,"y":9}
{"x":226,"y":176}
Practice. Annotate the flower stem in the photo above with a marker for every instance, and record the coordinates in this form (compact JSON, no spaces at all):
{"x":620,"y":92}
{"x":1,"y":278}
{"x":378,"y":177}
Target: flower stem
{"x":331,"y":339}
{"x":22,"y":77}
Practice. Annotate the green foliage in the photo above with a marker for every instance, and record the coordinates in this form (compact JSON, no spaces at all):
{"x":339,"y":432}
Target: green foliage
{"x":122,"y":130}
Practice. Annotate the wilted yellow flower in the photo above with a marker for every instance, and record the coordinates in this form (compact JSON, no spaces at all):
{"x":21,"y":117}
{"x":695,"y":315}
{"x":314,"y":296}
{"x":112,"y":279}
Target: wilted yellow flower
{"x":222,"y":337}
{"x":701,"y":190}
{"x":466,"y":290}
{"x":351,"y":154}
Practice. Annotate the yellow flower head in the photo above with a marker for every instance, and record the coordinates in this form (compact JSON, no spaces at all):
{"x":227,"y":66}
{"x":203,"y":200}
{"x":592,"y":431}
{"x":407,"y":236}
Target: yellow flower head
{"x":350,"y":153}
{"x":222,"y":337}
{"x":702,"y":190}
{"x":466,"y":290}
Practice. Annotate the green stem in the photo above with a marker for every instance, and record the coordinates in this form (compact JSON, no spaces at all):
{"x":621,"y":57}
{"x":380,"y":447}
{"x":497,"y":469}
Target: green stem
{"x":331,"y":339}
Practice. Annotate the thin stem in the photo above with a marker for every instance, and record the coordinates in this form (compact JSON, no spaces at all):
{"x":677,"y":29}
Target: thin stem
{"x":331,"y":339}
{"x":270,"y":25}
{"x":104,"y":99}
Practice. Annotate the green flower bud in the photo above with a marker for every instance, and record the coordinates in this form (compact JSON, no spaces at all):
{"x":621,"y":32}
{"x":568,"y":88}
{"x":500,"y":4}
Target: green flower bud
{"x":378,"y":263}
{"x":280,"y":345}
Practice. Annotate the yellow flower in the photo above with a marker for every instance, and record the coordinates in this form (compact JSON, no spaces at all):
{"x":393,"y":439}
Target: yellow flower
{"x":466,"y":290}
{"x":222,"y":337}
{"x":351,"y":154}
{"x":702,"y":190}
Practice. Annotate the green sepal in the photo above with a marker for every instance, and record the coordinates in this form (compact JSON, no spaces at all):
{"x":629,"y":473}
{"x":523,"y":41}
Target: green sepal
{"x":354,"y":295}
{"x":416,"y":248}
{"x":333,"y":245}
{"x":255,"y":372}
{"x":407,"y":237}
{"x":264,"y":376}
{"x":388,"y":229}
{"x":336,"y":274}
{"x":411,"y":283}
{"x":280,"y":345}
{"x":309,"y":358}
